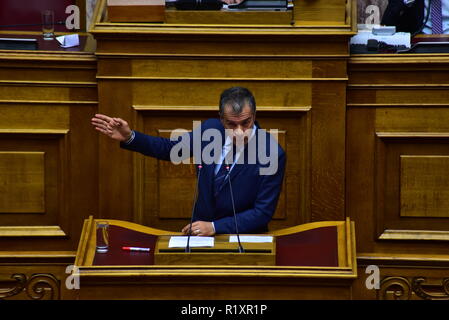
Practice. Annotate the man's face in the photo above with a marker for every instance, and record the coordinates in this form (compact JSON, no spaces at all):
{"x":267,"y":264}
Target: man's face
{"x":241,"y":124}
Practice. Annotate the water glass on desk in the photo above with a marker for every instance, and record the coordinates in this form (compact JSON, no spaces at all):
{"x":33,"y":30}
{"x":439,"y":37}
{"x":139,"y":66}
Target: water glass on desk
{"x":48,"y":25}
{"x":102,"y":236}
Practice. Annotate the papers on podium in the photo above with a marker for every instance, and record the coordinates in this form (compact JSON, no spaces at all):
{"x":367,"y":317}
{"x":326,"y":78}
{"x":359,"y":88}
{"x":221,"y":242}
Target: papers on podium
{"x":252,"y":239}
{"x":397,"y":39}
{"x":68,"y":41}
{"x":181,"y":242}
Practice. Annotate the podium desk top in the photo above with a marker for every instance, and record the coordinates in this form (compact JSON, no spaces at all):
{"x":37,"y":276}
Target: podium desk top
{"x":319,"y":244}
{"x":314,"y":261}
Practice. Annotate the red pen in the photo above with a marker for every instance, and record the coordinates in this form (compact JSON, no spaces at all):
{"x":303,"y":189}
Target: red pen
{"x":136,"y":249}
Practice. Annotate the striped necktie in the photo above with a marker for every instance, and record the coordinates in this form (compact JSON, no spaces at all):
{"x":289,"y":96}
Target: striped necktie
{"x":437,"y":17}
{"x":222,"y":173}
{"x":219,"y":178}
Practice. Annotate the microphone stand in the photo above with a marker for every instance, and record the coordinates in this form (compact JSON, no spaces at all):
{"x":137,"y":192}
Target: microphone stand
{"x":233,"y":209}
{"x":195,"y":200}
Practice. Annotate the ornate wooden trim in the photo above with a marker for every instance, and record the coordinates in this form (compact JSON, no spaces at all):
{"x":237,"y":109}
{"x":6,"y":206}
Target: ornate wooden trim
{"x":43,"y":286}
{"x":46,"y":102}
{"x":218,"y":79}
{"x":49,"y":83}
{"x":413,"y":135}
{"x":214,"y":108}
{"x":394,"y":59}
{"x":35,"y":131}
{"x":417,"y":287}
{"x":32,"y":231}
{"x":38,"y":287}
{"x":20,"y":284}
{"x":398,"y":287}
{"x":414,"y":235}
{"x":401,"y":288}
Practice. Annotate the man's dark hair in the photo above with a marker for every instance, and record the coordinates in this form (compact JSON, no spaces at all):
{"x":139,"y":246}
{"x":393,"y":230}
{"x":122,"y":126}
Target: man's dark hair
{"x":237,"y":98}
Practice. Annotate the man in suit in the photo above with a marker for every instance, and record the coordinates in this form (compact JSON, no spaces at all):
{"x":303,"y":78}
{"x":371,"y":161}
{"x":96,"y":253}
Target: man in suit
{"x":415,"y":16}
{"x":244,"y":158}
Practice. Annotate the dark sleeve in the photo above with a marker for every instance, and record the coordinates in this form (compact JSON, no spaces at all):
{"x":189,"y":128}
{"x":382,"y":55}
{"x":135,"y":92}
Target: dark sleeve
{"x":404,"y":18}
{"x":257,"y":218}
{"x":159,"y":147}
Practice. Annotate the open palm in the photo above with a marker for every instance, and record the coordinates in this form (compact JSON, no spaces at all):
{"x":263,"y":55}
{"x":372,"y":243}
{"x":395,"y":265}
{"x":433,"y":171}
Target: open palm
{"x":115,"y":128}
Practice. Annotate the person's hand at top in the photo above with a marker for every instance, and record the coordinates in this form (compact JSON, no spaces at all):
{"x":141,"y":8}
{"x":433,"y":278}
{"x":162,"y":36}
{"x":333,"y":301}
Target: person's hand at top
{"x":115,"y":128}
{"x":232,"y":1}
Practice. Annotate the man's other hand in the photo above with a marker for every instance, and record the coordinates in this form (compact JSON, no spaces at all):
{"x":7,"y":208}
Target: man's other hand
{"x":115,"y":128}
{"x":200,"y":228}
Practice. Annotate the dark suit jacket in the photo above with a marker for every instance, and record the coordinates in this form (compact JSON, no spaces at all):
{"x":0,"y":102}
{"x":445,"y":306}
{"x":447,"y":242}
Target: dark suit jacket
{"x":255,"y":195}
{"x":406,"y":19}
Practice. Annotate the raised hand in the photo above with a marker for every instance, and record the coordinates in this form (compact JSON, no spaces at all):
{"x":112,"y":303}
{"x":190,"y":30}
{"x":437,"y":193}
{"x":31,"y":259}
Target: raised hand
{"x":115,"y":128}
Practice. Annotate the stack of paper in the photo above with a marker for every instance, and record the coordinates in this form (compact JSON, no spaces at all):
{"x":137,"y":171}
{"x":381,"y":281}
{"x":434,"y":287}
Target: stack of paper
{"x":397,"y":39}
{"x":181,"y":242}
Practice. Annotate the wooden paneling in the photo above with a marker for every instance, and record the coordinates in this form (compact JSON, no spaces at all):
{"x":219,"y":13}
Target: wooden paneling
{"x":286,"y":44}
{"x":168,"y":92}
{"x":160,"y":77}
{"x":403,"y":277}
{"x":424,"y":186}
{"x":396,"y":168}
{"x":52,"y":149}
{"x":173,"y":16}
{"x":390,"y":150}
{"x":222,"y":69}
{"x":32,"y":275}
{"x":322,"y":12}
{"x":19,"y":116}
{"x":22,"y":174}
{"x":47,"y":144}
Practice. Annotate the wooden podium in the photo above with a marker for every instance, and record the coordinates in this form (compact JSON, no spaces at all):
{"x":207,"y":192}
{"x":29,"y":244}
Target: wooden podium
{"x":223,"y":252}
{"x":309,"y":261}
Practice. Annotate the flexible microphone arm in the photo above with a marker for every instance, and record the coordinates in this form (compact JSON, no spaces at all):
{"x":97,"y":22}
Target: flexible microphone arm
{"x":233,"y":209}
{"x":195,"y":200}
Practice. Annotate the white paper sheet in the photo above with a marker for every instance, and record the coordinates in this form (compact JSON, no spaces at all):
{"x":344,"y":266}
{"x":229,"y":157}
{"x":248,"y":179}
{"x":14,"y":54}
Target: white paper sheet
{"x":68,"y":41}
{"x":254,"y":239}
{"x":399,"y":38}
{"x":181,"y":242}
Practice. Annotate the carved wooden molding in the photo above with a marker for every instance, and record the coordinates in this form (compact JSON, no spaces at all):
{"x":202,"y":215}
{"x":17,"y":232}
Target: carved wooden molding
{"x":401,"y":288}
{"x":394,"y":288}
{"x":219,"y":79}
{"x":43,"y":286}
{"x":214,"y":108}
{"x":38,"y":287}
{"x":32,"y":231}
{"x":47,"y":102}
{"x":414,"y":235}
{"x":418,"y":288}
{"x":35,"y":131}
{"x":20,"y":284}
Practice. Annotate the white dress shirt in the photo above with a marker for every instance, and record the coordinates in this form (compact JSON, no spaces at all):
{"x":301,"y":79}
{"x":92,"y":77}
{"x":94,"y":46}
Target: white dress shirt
{"x":227,"y":148}
{"x":445,"y":11}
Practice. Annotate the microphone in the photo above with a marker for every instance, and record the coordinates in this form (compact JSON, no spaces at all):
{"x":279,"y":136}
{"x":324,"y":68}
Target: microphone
{"x":233,"y":209}
{"x":196,"y":4}
{"x":195,"y":200}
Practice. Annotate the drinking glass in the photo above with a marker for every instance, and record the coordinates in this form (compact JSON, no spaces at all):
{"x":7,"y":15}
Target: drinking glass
{"x":102,"y":236}
{"x":48,"y":25}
